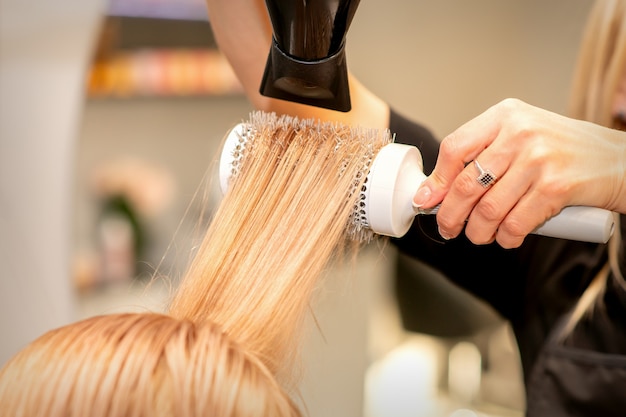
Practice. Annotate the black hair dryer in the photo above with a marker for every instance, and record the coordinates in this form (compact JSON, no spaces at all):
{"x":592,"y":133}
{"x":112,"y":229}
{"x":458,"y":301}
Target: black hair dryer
{"x":307,"y":60}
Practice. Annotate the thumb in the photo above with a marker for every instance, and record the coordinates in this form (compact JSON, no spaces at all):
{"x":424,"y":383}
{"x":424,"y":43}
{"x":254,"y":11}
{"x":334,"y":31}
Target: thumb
{"x":431,"y":191}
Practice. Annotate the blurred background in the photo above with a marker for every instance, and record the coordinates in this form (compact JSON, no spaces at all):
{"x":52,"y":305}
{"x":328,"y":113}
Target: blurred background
{"x":111,"y":117}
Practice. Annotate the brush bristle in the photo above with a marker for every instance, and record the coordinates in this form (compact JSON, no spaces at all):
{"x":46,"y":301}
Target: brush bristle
{"x":366,"y":142}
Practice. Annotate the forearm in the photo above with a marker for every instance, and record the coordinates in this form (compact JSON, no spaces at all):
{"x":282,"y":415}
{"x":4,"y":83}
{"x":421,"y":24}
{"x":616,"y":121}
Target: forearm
{"x":243,"y":34}
{"x":604,"y":182}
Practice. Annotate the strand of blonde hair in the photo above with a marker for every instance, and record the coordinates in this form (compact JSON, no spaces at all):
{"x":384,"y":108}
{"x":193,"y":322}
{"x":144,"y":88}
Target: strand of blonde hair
{"x":600,"y":67}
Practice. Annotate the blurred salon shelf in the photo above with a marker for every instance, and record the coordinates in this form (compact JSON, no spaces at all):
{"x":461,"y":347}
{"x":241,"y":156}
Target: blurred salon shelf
{"x":139,"y":56}
{"x":164,"y":9}
{"x":162,"y":72}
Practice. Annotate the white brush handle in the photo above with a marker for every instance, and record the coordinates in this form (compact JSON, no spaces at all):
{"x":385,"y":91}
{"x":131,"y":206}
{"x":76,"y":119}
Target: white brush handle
{"x":396,"y":173}
{"x":588,"y":224}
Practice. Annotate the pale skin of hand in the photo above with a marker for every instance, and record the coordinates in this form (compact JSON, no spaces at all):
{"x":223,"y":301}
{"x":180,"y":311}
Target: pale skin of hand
{"x":543,"y":161}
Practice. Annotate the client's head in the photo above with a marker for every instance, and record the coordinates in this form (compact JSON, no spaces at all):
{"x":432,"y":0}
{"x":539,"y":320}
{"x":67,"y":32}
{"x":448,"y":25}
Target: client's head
{"x":148,"y":365}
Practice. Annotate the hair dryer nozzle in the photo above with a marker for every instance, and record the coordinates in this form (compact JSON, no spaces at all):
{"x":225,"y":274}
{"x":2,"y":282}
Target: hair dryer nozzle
{"x":307,"y":60}
{"x":320,"y":83}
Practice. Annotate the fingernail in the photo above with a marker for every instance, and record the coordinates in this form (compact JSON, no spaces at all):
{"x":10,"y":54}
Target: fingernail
{"x":421,"y":197}
{"x":444,"y":236}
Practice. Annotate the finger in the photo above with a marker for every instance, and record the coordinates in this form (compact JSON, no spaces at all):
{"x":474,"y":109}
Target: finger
{"x":525,"y":217}
{"x":455,"y":151}
{"x":465,"y":193}
{"x":495,"y":205}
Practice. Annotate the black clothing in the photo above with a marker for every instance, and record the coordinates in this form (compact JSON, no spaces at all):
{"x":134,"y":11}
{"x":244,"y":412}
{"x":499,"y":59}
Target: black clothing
{"x":535,"y":287}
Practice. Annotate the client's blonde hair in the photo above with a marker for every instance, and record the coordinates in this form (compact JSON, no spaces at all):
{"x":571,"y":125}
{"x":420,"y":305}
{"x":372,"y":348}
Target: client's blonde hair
{"x":600,"y":68}
{"x":228,"y":345}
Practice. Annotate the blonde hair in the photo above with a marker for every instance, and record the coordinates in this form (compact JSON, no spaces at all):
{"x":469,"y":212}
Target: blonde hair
{"x":601,"y":63}
{"x":600,"y":68}
{"x":229,"y":343}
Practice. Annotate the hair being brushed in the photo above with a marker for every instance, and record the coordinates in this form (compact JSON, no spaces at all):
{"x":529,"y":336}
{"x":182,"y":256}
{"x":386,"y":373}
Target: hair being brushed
{"x":228,"y":344}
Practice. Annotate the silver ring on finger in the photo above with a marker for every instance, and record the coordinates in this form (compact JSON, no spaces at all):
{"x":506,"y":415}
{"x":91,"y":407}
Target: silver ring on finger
{"x":486,"y":177}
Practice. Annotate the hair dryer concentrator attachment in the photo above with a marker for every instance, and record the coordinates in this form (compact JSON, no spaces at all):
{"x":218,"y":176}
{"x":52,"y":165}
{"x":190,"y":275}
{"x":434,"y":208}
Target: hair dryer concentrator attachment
{"x":307,"y":62}
{"x":395,"y":175}
{"x":320,"y":83}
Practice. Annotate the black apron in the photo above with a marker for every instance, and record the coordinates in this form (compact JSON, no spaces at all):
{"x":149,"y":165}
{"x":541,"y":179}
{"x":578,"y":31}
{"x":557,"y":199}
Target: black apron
{"x":571,"y":382}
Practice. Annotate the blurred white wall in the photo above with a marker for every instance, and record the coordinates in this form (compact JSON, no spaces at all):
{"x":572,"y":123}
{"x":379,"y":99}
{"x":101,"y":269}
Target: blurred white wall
{"x":44,"y":50}
{"x":443,"y":62}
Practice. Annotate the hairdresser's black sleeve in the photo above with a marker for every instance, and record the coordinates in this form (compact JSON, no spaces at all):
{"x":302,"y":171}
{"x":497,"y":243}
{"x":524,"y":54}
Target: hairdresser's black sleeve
{"x":410,"y":133}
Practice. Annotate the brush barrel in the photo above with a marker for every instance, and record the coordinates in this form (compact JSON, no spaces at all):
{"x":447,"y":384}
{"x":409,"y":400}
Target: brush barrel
{"x":231,"y":150}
